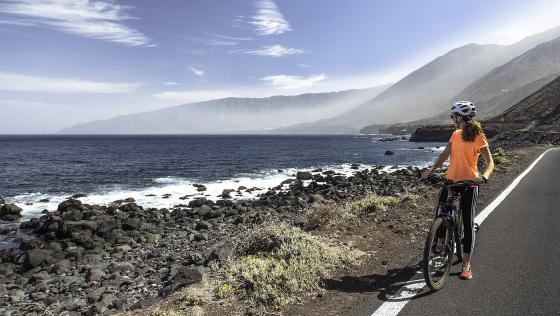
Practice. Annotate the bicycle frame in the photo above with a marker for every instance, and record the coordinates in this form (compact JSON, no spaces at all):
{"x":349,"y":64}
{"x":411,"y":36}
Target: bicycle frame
{"x":450,"y":211}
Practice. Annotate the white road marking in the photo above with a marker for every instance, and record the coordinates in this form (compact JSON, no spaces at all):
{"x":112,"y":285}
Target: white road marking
{"x":397,"y":301}
{"x":490,"y":208}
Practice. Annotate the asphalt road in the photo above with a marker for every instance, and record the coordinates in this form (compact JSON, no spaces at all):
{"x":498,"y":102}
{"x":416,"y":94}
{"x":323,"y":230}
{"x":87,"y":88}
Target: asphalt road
{"x":516,"y":262}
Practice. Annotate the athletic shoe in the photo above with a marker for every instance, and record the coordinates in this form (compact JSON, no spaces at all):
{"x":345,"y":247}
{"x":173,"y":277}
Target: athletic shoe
{"x":466,"y":274}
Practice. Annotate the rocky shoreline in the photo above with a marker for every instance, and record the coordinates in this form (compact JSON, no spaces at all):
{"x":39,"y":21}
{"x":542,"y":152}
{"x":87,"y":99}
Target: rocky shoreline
{"x":89,"y":259}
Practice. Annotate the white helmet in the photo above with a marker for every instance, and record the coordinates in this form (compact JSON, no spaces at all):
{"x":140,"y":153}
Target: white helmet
{"x":464,"y":108}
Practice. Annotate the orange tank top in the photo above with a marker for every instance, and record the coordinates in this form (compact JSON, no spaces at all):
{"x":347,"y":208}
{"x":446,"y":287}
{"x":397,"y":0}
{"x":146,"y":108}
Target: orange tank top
{"x":464,"y":157}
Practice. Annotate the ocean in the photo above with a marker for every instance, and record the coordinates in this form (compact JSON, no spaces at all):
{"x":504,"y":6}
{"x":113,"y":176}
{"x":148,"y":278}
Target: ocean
{"x":108,"y":168}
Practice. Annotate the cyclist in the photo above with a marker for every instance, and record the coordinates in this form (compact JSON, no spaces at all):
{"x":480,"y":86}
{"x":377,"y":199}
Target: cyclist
{"x":464,"y":147}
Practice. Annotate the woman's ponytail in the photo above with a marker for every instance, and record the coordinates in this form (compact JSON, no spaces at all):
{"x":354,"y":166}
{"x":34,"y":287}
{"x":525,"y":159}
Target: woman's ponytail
{"x":472,"y":128}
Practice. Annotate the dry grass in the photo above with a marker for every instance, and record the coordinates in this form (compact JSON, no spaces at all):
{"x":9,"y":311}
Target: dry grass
{"x":283,"y":263}
{"x":500,"y":157}
{"x":327,"y":215}
{"x":188,"y":301}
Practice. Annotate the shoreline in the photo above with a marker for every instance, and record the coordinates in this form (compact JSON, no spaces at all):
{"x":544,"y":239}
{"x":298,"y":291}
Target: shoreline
{"x":126,"y":254}
{"x":168,"y":192}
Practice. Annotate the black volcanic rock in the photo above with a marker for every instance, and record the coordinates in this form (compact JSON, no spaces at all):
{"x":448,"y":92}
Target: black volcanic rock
{"x":10,"y":212}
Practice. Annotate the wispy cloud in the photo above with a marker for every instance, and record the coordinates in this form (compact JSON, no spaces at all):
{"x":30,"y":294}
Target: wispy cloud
{"x":197,"y":72}
{"x":272,"y":51}
{"x":287,"y":82}
{"x":88,"y":18}
{"x":171,"y":83}
{"x":220,"y":40}
{"x":232,"y":38}
{"x":268,"y":19}
{"x":304,"y":65}
{"x":217,"y":42}
{"x":18,"y":82}
{"x":190,"y":96}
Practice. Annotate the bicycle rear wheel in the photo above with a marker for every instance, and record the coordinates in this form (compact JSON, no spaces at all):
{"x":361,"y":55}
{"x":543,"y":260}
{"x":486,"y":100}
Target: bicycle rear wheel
{"x":438,"y":254}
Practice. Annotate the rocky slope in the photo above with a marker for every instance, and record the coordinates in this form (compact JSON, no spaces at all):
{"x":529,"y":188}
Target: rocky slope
{"x":535,"y":119}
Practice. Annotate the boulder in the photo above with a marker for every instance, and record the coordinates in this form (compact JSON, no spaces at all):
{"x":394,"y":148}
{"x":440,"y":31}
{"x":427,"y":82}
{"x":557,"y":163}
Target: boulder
{"x":10,"y":212}
{"x":199,"y":187}
{"x":131,"y":223}
{"x":183,"y":277}
{"x":203,"y":211}
{"x":130,"y":208}
{"x":222,"y":252}
{"x":196,"y":203}
{"x":94,"y":275}
{"x":304,"y":175}
{"x":36,"y":257}
{"x":70,"y":204}
{"x":226,"y":193}
{"x":389,"y":153}
{"x":6,"y":269}
{"x":104,"y":228}
{"x":40,"y":276}
{"x":30,"y":244}
{"x":73,"y":215}
{"x":62,"y":266}
{"x":203,"y":225}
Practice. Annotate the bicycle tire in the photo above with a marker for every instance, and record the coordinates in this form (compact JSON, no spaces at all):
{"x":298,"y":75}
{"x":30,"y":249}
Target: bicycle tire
{"x":446,"y":258}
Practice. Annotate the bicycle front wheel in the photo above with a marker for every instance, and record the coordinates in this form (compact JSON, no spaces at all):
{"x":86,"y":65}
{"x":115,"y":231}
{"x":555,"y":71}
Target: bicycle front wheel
{"x":438,"y":254}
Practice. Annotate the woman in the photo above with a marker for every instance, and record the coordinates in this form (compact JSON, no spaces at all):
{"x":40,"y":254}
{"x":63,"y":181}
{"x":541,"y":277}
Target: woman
{"x":464,"y":147}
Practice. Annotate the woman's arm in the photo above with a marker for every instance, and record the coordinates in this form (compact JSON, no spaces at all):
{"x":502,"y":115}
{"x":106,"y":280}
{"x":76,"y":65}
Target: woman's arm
{"x":439,"y":161}
{"x":489,"y":162}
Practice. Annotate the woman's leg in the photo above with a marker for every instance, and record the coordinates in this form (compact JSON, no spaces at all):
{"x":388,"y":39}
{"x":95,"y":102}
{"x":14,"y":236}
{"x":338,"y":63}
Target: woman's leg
{"x":468,"y":211}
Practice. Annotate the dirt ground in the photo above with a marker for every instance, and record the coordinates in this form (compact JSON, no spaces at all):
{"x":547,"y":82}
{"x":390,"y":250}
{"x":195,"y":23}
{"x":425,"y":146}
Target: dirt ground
{"x":394,"y":240}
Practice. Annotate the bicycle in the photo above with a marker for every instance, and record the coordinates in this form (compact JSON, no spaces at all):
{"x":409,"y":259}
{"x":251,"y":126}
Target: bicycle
{"x":444,"y":238}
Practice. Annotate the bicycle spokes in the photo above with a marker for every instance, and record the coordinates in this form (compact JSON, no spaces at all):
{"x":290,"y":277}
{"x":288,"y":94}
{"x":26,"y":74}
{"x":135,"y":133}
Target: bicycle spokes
{"x":438,"y":253}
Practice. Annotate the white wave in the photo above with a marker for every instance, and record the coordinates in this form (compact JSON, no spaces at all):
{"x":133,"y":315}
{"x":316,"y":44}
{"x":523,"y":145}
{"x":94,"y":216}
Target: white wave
{"x":168,"y":192}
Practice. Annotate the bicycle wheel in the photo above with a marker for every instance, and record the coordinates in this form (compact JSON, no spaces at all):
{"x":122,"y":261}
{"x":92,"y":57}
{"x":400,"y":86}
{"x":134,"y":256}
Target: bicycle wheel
{"x":438,"y":254}
{"x":459,"y":234}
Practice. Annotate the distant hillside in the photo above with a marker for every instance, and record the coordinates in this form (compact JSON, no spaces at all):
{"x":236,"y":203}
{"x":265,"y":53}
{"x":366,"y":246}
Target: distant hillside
{"x":429,"y":90}
{"x":502,"y":87}
{"x":515,"y":80}
{"x":486,"y":109}
{"x":231,"y":115}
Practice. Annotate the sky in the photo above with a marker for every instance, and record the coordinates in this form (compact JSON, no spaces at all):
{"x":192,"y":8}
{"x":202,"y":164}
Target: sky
{"x":64,"y":62}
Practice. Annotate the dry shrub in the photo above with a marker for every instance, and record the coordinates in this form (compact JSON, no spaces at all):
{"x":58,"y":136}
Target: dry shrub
{"x":188,"y":301}
{"x":373,"y":204}
{"x":500,"y":157}
{"x":327,"y":214}
{"x":293,"y":264}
